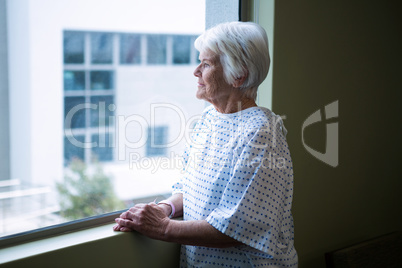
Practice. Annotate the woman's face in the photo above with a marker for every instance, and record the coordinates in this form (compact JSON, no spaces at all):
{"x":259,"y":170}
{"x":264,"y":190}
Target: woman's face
{"x":212,"y":86}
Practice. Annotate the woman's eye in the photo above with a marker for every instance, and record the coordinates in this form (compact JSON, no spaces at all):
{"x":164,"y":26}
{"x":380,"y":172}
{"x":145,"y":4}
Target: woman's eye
{"x":206,"y":65}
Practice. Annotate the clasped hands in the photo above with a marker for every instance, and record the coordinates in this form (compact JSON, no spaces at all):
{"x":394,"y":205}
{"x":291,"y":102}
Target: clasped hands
{"x":149,"y":219}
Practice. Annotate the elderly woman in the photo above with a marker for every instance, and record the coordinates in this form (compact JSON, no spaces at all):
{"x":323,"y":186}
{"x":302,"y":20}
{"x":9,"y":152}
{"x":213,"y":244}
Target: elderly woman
{"x":236,"y":192}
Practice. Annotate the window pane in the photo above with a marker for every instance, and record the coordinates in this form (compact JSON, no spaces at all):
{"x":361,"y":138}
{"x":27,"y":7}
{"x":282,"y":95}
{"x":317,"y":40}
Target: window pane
{"x":130,"y":48}
{"x":74,"y":80}
{"x":74,"y":112}
{"x":101,"y":48}
{"x":73,"y":47}
{"x":104,"y":111}
{"x":72,"y":148}
{"x":197,"y":58}
{"x":156,"y":45}
{"x":108,"y":67}
{"x":181,"y":49}
{"x":103,"y":151}
{"x":101,"y":80}
{"x":156,"y":142}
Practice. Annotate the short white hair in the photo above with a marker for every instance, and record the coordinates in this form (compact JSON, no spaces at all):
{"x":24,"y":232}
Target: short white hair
{"x":243,"y":51}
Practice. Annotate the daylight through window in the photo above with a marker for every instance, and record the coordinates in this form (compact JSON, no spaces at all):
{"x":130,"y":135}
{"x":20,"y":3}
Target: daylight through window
{"x":99,"y":106}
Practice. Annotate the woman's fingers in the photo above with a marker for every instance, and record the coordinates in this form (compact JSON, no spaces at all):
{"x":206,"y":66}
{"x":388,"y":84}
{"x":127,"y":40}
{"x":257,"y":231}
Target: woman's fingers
{"x":117,"y":227}
{"x":127,"y":215}
{"x":123,"y":222}
{"x":125,"y":229}
{"x":148,"y":219}
{"x":137,"y":207}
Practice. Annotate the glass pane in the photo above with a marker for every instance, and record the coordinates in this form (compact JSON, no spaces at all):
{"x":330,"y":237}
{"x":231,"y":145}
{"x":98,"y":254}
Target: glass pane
{"x":73,"y":47}
{"x":101,"y":48}
{"x":156,"y":45}
{"x":72,"y":148}
{"x":74,"y":112}
{"x":101,"y":80}
{"x":130,"y":49}
{"x":181,"y":49}
{"x":104,"y":100}
{"x":74,"y":80}
{"x":104,"y":111}
{"x":157,"y":141}
{"x":103,"y":151}
{"x":197,"y":58}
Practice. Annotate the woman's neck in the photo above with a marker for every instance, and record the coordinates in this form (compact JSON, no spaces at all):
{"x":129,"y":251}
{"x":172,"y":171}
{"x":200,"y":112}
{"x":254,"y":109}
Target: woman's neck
{"x":235,"y":104}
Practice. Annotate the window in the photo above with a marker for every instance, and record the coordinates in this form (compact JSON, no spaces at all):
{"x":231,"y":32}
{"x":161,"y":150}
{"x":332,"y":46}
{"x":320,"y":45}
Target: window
{"x":156,"y":49}
{"x":88,"y":96}
{"x":101,"y":48}
{"x":98,"y":97}
{"x":156,"y":141}
{"x":74,"y":48}
{"x":181,"y":49}
{"x":130,"y":48}
{"x":72,"y":61}
{"x":74,"y":80}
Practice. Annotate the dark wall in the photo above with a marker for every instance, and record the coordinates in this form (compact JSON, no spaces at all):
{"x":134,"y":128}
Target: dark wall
{"x":350,"y":52}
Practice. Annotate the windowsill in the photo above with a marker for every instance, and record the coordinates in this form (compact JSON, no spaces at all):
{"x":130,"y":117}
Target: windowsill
{"x":98,"y":246}
{"x":43,"y":246}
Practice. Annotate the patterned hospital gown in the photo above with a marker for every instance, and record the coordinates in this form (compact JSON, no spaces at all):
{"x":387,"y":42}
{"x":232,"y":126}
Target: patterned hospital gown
{"x":238,"y":177}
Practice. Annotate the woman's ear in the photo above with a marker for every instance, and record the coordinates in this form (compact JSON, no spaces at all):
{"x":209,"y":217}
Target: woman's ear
{"x":239,"y":81}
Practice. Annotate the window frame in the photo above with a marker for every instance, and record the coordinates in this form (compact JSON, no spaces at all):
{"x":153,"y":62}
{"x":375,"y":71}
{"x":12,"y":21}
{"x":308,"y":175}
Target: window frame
{"x":58,"y":229}
{"x":69,"y":226}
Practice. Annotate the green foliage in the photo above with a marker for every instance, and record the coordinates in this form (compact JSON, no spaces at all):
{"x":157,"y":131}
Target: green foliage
{"x":86,"y":193}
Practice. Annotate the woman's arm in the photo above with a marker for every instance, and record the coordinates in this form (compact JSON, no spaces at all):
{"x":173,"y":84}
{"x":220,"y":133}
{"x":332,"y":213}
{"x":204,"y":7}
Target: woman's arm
{"x":197,"y":233}
{"x":177,"y":200}
{"x":152,"y":220}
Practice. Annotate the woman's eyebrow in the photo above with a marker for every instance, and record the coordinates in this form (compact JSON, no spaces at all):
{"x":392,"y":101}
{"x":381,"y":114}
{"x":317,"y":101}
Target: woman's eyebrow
{"x":210,"y":60}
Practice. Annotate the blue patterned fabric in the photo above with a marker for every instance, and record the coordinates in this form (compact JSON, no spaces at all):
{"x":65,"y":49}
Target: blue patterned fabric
{"x":239,"y":178}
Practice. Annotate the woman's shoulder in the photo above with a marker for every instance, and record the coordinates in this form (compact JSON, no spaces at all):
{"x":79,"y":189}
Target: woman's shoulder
{"x":263,"y":120}
{"x":250,"y":120}
{"x":258,"y":117}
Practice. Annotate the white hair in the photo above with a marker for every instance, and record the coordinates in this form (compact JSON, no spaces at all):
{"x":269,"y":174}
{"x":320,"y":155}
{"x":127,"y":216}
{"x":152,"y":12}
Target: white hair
{"x":243,"y":51}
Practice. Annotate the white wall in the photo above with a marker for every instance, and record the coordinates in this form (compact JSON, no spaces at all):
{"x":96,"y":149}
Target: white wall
{"x":19,"y":89}
{"x":4,"y":100}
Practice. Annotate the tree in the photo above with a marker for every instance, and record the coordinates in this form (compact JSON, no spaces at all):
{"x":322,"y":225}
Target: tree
{"x":86,"y":192}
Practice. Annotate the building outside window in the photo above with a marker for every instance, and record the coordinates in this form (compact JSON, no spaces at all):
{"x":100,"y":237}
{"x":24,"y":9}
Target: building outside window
{"x":156,"y":141}
{"x":109,"y":89}
{"x":88,"y":95}
{"x":89,"y":92}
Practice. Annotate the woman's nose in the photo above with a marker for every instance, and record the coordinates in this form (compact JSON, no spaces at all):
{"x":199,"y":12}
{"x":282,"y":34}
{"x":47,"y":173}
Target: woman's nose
{"x":197,"y":71}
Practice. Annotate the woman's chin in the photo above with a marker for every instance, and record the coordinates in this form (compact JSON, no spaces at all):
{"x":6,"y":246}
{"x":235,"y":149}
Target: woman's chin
{"x":200,"y":95}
